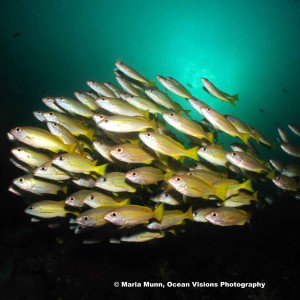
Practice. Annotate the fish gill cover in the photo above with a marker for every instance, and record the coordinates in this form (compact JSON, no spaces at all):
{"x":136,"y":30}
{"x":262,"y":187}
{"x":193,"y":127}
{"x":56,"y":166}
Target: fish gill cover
{"x":127,"y":156}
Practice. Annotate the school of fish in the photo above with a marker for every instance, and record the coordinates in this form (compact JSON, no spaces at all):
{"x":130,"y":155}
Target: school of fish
{"x":117,"y":156}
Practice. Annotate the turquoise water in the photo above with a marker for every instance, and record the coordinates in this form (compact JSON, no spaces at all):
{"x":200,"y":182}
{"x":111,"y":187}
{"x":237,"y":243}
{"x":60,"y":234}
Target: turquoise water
{"x":247,"y":47}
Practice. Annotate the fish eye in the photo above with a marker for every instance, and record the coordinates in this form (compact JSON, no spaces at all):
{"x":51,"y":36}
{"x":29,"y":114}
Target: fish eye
{"x":21,"y":180}
{"x":72,"y":198}
{"x":30,"y":207}
{"x":106,"y":121}
{"x":50,"y":114}
{"x":85,"y":218}
{"x":54,"y":124}
{"x":151,"y":90}
{"x":208,"y":109}
{"x":195,"y":213}
{"x":148,"y":134}
{"x":119,"y":150}
{"x":18,"y":129}
{"x":131,"y":96}
{"x":92,"y":81}
{"x":61,"y":158}
{"x":104,"y":179}
{"x":101,"y":143}
{"x":278,"y":178}
{"x":92,"y":197}
{"x":48,"y":98}
{"x":61,"y":98}
{"x":189,"y":173}
{"x":166,"y":194}
{"x":214,"y":214}
{"x":171,"y":115}
{"x":113,"y":214}
{"x":133,"y":174}
{"x":204,"y":149}
{"x":178,"y":178}
{"x":43,"y":168}
{"x":19,"y":149}
{"x":102,"y":98}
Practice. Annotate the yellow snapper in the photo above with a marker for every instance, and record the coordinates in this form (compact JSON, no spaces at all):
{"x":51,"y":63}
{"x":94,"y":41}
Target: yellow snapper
{"x":200,"y":213}
{"x":187,"y":126}
{"x":119,"y":107}
{"x":77,"y":199}
{"x":144,"y":236}
{"x":166,"y":145}
{"x":74,"y":126}
{"x":141,"y":103}
{"x":294,"y":129}
{"x":39,"y":115}
{"x":145,"y":175}
{"x":221,"y":123}
{"x":40,"y":138}
{"x":93,"y":217}
{"x":65,"y":136}
{"x":214,"y":154}
{"x":126,"y":124}
{"x":36,"y":186}
{"x":174,"y":86}
{"x":132,"y":73}
{"x":171,"y":218}
{"x":78,"y":164}
{"x":87,"y":100}
{"x":96,"y":199}
{"x":48,"y":209}
{"x":48,"y":171}
{"x":291,"y":170}
{"x":194,"y":187}
{"x":241,"y":126}
{"x":290,"y":149}
{"x":246,"y":161}
{"x":131,"y":215}
{"x":286,"y":183}
{"x":73,"y":106}
{"x":170,"y":197}
{"x":162,"y":99}
{"x":113,"y":88}
{"x":128,"y":87}
{"x":50,"y":102}
{"x":30,"y":157}
{"x":197,"y":104}
{"x":228,"y":216}
{"x":114,"y":182}
{"x":100,"y":89}
{"x":239,"y":200}
{"x":214,"y":91}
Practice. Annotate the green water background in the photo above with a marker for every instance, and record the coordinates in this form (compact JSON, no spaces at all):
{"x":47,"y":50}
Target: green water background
{"x":247,"y":47}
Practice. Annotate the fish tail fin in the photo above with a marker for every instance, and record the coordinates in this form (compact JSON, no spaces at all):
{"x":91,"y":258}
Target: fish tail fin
{"x":168,"y":175}
{"x":221,"y":191}
{"x":244,"y":137}
{"x":65,"y":189}
{"x":100,"y":169}
{"x":235,"y":97}
{"x":247,"y":185}
{"x":189,"y":213}
{"x":193,"y":153}
{"x":232,"y":101}
{"x":146,"y":114}
{"x":210,"y":136}
{"x":124,"y":202}
{"x":153,"y":125}
{"x":76,"y":213}
{"x":271,"y":174}
{"x":71,"y":147}
{"x":159,"y":212}
{"x":90,"y":134}
{"x":255,"y":196}
{"x":151,"y":83}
